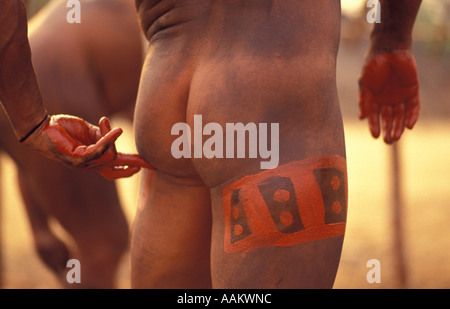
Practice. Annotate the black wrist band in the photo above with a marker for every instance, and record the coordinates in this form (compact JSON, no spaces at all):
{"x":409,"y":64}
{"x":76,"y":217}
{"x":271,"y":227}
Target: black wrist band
{"x":34,"y":129}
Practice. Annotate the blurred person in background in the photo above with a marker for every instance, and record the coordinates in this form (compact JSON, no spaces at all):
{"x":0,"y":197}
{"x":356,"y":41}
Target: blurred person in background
{"x":90,"y":70}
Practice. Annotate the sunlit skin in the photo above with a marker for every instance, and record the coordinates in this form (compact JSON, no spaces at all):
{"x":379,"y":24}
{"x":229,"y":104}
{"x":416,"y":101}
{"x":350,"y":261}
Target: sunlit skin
{"x":23,"y":103}
{"x":246,"y":61}
{"x":389,"y":86}
{"x":105,"y":64}
{"x":81,"y":145}
{"x":390,"y":91}
{"x":240,"y":61}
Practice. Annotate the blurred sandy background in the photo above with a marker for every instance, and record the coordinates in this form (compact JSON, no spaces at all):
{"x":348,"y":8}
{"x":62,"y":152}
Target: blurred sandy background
{"x":425,"y":162}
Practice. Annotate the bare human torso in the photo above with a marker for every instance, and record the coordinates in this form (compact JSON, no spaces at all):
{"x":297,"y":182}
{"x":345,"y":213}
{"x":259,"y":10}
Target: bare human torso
{"x":239,"y":61}
{"x":248,"y":61}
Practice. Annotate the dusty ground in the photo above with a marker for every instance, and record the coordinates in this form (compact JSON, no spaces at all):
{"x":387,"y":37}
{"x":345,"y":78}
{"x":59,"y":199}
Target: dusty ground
{"x":426,"y":168}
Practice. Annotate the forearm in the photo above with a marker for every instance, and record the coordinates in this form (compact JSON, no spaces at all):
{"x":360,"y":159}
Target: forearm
{"x":19,"y":91}
{"x":397,"y":21}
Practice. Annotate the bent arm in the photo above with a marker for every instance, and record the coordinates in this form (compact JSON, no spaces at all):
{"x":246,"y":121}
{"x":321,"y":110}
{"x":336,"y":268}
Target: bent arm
{"x":66,"y":139}
{"x":19,"y":91}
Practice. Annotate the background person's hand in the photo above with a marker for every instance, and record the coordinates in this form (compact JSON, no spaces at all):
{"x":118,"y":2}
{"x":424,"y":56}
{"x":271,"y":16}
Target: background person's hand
{"x":389,"y":93}
{"x":79,"y":144}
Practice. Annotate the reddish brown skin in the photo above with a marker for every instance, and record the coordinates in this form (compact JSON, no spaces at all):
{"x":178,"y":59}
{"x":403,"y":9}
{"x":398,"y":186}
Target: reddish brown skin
{"x":243,"y":61}
{"x":231,"y":61}
{"x":390,"y":91}
{"x":74,"y":138}
{"x":102,"y":56}
{"x":264,"y":61}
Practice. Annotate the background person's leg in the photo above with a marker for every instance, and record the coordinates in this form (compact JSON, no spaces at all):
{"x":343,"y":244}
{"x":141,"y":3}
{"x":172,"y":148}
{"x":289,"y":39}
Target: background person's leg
{"x":88,"y":207}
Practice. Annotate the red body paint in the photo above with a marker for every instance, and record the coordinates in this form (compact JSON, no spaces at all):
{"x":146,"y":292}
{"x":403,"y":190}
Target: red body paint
{"x":295,"y":203}
{"x":77,"y":143}
{"x":389,"y":89}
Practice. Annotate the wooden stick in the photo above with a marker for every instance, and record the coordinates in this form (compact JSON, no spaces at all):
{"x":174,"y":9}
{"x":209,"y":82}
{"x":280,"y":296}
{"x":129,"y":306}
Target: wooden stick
{"x":398,"y":219}
{"x":1,"y":227}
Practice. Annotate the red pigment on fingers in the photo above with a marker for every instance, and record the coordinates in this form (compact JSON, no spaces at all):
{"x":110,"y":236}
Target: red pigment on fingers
{"x":389,"y":89}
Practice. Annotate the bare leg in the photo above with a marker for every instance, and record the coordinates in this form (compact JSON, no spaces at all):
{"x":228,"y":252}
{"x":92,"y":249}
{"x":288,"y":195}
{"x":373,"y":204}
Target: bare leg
{"x":281,"y":228}
{"x":50,"y":248}
{"x":272,"y":227}
{"x":171,"y":237}
{"x":85,"y":77}
{"x":88,"y":208}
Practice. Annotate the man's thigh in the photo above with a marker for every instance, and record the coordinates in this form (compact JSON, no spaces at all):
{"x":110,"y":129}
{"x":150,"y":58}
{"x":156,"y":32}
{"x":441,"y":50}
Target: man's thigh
{"x":274,"y":159}
{"x":281,"y":228}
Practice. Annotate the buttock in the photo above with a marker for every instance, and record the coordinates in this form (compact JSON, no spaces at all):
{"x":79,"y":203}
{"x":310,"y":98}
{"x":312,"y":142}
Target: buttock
{"x":180,"y":101}
{"x":188,"y":77}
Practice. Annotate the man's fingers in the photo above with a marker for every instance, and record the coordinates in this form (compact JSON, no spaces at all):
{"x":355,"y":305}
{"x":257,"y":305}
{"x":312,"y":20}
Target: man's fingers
{"x":369,"y":110}
{"x":365,"y":101}
{"x":111,"y":136}
{"x":399,"y":121}
{"x":108,"y":156}
{"x":102,"y":145}
{"x":99,"y":153}
{"x":104,"y":125}
{"x":125,"y":165}
{"x":130,"y":160}
{"x":88,"y":146}
{"x":389,"y":90}
{"x":412,"y":111}
{"x":374,"y":124}
{"x":112,"y":172}
{"x":387,"y":114}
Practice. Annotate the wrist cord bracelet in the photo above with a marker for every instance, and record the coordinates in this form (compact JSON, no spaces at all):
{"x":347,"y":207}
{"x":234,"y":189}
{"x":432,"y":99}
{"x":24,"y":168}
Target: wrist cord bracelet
{"x":34,"y":129}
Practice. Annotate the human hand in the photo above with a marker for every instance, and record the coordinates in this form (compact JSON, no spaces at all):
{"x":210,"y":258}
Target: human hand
{"x":389,"y":89}
{"x":79,"y":144}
